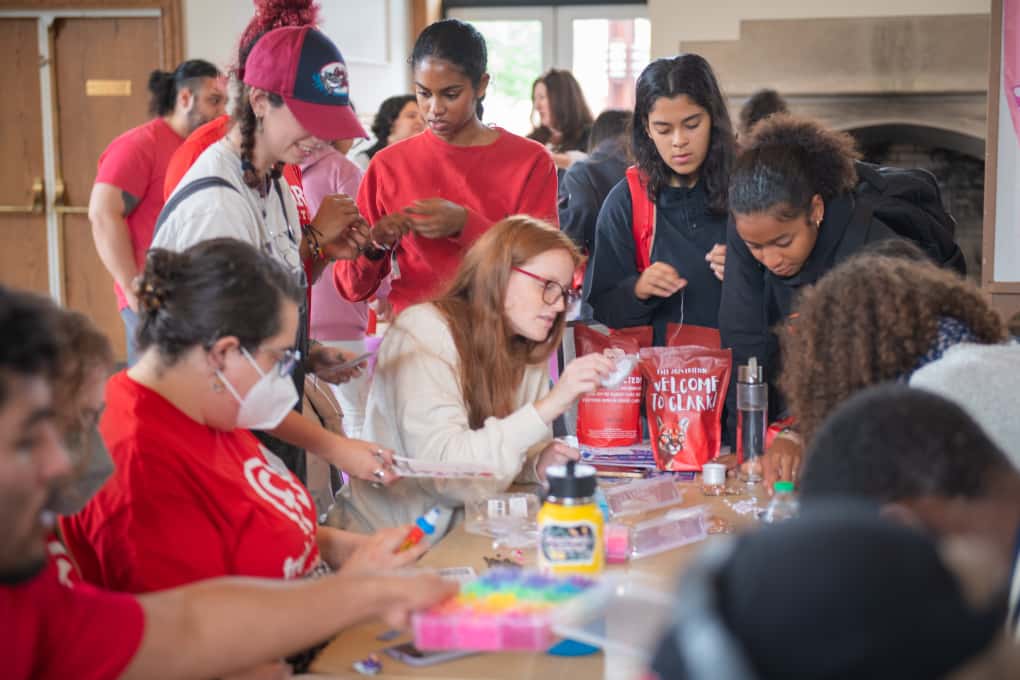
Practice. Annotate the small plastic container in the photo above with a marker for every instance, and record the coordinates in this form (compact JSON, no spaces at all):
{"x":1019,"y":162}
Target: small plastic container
{"x":642,"y":496}
{"x":713,"y":479}
{"x":676,"y":528}
{"x":623,"y":615}
{"x":503,"y":515}
{"x":617,"y":543}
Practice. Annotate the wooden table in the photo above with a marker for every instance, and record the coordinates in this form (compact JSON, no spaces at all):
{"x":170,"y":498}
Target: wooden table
{"x":460,"y":549}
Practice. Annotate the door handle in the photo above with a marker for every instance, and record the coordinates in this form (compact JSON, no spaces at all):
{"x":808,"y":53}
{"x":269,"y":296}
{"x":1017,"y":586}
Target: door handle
{"x":59,"y":198}
{"x":33,"y":208}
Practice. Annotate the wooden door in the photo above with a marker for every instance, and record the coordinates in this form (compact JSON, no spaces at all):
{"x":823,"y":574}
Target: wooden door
{"x":101,"y":70}
{"x":23,"y":255}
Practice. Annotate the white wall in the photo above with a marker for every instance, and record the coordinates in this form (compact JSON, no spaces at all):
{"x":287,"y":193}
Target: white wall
{"x":674,"y":21}
{"x":371,"y":34}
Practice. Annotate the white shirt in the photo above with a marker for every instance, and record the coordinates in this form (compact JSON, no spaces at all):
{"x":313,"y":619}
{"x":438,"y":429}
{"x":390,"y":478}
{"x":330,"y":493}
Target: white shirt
{"x":416,"y":408}
{"x":216,"y":212}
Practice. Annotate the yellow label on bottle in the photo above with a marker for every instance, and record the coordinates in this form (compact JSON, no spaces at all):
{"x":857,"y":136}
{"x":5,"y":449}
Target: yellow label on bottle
{"x":570,"y":539}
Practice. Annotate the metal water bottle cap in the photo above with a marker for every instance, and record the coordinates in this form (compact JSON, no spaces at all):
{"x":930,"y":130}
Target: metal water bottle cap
{"x":750,"y":373}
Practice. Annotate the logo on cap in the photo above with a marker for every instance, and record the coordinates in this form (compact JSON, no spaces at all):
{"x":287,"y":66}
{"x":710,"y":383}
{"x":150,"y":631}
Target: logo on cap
{"x":332,"y":79}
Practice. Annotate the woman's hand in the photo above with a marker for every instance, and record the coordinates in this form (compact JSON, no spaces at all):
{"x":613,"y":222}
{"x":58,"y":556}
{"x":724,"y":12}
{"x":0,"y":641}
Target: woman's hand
{"x":407,"y":594}
{"x":390,"y":228}
{"x":555,"y":453}
{"x":781,"y":461}
{"x":581,"y":376}
{"x":436,"y":217}
{"x":659,"y":280}
{"x":364,"y":460}
{"x":325,"y":363}
{"x":339,"y":228}
{"x":716,"y":259}
{"x":378,"y":551}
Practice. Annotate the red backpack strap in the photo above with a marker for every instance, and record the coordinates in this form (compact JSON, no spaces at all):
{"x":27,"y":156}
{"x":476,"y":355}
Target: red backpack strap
{"x":642,"y":218}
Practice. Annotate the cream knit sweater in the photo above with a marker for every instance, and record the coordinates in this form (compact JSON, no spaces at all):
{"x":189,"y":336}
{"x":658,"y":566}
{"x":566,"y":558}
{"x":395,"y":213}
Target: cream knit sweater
{"x":416,"y":408}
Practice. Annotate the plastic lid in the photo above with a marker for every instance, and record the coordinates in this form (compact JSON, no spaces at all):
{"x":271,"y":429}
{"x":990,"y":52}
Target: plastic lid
{"x":572,"y":480}
{"x":750,"y":372}
{"x":783,"y":486}
{"x":427,"y":522}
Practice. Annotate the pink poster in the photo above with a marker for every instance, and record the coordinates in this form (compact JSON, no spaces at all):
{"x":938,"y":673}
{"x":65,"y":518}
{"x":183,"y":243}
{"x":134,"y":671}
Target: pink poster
{"x":1011,"y":59}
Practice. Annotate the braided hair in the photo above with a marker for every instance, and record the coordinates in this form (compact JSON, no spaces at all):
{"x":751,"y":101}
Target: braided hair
{"x":269,"y":15}
{"x":248,"y":124}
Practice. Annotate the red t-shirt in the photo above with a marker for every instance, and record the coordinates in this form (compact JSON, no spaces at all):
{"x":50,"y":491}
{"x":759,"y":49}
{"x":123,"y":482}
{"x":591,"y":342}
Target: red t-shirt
{"x":136,"y":162}
{"x":51,"y":632}
{"x":511,"y":176}
{"x":67,"y":571}
{"x":187,"y":502}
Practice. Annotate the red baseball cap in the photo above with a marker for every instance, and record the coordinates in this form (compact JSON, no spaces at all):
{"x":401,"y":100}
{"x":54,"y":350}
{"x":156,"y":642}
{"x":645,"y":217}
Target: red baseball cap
{"x":304,"y":67}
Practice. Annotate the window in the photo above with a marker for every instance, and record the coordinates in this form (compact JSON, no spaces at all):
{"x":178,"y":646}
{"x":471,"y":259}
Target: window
{"x":604,"y":46}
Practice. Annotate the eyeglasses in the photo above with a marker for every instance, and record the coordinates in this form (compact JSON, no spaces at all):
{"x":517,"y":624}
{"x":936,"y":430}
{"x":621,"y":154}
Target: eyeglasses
{"x":285,"y":362}
{"x":552,"y":291}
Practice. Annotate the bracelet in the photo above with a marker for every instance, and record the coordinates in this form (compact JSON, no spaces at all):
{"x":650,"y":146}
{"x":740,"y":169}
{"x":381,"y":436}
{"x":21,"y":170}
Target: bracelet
{"x":312,"y":236}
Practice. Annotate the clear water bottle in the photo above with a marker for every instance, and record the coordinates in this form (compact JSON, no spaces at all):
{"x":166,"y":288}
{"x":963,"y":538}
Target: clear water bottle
{"x":752,"y":420}
{"x":783,"y":505}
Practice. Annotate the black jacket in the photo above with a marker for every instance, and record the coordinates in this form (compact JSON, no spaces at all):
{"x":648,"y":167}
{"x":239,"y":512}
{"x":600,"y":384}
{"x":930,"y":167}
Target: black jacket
{"x":684,"y":233}
{"x":754,"y":300}
{"x":584,"y":187}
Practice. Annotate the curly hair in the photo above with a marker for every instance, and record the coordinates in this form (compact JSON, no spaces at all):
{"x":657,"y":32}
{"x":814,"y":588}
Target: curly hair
{"x":690,"y":75}
{"x":83,"y":349}
{"x":787,"y":161}
{"x":866,"y":322}
{"x":270,"y":14}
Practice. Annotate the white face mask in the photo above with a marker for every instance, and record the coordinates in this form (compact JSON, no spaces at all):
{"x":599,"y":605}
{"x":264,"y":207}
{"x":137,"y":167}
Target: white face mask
{"x":267,"y":402}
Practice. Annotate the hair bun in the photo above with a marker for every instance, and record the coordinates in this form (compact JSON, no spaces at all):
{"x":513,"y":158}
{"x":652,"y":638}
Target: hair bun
{"x":159,"y":80}
{"x":155,"y":286}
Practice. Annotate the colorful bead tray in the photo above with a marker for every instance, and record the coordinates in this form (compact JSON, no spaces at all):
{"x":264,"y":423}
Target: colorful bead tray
{"x":504,"y":609}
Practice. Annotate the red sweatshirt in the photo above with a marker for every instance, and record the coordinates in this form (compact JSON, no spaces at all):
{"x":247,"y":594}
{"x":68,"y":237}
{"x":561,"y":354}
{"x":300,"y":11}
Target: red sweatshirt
{"x":511,"y":176}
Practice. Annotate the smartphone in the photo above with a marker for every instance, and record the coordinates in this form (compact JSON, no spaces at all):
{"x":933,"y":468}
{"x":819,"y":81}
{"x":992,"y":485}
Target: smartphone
{"x":413,"y":656}
{"x":353,"y":362}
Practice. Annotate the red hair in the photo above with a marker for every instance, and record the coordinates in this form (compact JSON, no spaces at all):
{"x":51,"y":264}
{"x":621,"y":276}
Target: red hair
{"x":270,"y":14}
{"x":492,"y":357}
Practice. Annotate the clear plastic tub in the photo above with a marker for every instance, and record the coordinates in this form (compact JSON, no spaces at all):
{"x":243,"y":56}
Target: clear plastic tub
{"x":642,"y":496}
{"x":674,"y":529}
{"x":624,"y":615}
{"x":504,"y":516}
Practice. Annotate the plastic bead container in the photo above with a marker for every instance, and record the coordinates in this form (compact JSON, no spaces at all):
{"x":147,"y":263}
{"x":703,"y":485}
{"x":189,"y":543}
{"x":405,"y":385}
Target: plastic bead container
{"x":676,"y":528}
{"x":622,"y":615}
{"x":642,"y":496}
{"x":502,"y":515}
{"x":505,"y":609}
